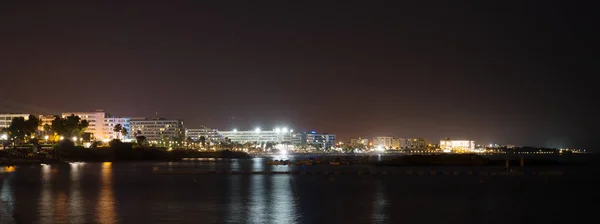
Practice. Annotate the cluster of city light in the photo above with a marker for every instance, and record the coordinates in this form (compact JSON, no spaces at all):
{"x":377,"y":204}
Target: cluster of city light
{"x":283,"y":130}
{"x":276,"y":130}
{"x":4,"y":137}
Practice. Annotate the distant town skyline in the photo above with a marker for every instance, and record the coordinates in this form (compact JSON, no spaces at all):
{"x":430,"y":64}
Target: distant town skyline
{"x":276,"y":125}
{"x":506,"y":72}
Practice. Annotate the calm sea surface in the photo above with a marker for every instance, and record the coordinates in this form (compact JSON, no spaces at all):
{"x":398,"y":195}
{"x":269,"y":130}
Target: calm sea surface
{"x":135,"y":193}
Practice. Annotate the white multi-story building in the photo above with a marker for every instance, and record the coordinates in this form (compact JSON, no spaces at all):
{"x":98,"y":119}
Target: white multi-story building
{"x":109,"y":127}
{"x":383,"y":141}
{"x":6,"y":119}
{"x":157,"y":129}
{"x":95,"y":120}
{"x":210,"y":135}
{"x":279,"y":135}
{"x":457,"y":145}
{"x":326,"y":140}
{"x":46,"y":120}
{"x":411,"y":143}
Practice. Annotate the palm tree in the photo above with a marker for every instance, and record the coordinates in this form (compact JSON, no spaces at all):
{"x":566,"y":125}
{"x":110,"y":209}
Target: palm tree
{"x":47,"y":129}
{"x":117,"y":129}
{"x":124,"y":132}
{"x":202,"y":140}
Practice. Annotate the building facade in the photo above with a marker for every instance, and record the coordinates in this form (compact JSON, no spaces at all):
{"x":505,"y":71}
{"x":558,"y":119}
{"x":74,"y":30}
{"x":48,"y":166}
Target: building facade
{"x":411,"y":143}
{"x":359,"y":141}
{"x":109,"y":127}
{"x":95,"y":120}
{"x":46,"y":120}
{"x":6,"y":119}
{"x":383,"y":141}
{"x":457,"y":145}
{"x":325,"y":140}
{"x":211,"y":135}
{"x":158,"y":128}
{"x":259,"y":136}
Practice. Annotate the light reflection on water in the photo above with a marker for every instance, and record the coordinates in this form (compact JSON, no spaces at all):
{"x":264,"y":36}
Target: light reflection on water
{"x":235,"y":205}
{"x":106,"y":201}
{"x":257,"y":208}
{"x":76,"y":206}
{"x":379,"y":203}
{"x":45,"y":203}
{"x":283,"y":205}
{"x":132,"y":193}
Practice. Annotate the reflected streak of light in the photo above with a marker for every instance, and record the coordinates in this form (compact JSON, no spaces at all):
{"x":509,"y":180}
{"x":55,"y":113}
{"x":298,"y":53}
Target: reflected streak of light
{"x":257,"y":209}
{"x":235,"y":204}
{"x":6,"y":199}
{"x":379,"y":203}
{"x":235,"y":165}
{"x":283,"y":207}
{"x":60,"y":212}
{"x":9,"y":169}
{"x":45,"y":205}
{"x":76,"y":204}
{"x":258,"y":164}
{"x":106,"y":201}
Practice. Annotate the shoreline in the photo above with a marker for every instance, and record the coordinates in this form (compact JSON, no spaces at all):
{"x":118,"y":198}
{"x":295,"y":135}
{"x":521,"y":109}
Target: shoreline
{"x":443,"y":160}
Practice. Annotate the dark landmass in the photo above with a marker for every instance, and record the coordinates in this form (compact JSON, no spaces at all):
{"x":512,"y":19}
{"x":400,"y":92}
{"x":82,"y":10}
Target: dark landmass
{"x":469,"y":160}
{"x":67,"y":152}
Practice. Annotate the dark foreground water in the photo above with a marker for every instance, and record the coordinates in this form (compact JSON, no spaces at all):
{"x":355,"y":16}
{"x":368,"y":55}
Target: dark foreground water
{"x":135,"y":193}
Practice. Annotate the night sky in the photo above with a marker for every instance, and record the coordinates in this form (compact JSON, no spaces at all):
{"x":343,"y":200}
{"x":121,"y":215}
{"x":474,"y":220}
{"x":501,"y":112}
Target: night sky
{"x":490,"y":72}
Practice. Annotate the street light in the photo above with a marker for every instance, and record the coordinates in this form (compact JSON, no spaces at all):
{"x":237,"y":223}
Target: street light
{"x":4,"y":137}
{"x":75,"y":139}
{"x":62,"y":138}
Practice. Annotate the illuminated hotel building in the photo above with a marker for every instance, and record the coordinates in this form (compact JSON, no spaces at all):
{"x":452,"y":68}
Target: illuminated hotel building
{"x":6,"y":119}
{"x":46,"y":120}
{"x":279,"y":135}
{"x":158,"y":128}
{"x":109,"y":127}
{"x":359,"y":141}
{"x":411,"y":143}
{"x":95,"y":120}
{"x":385,"y":142}
{"x":326,"y":140}
{"x":211,"y":135}
{"x":457,"y":145}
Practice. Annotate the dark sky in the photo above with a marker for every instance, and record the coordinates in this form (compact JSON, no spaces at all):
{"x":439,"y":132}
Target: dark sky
{"x":515,"y":72}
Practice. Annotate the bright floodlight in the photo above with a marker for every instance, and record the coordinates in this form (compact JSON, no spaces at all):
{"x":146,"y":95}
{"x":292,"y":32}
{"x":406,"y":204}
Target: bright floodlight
{"x":46,"y":137}
{"x":277,"y":130}
{"x":74,"y":138}
{"x":291,"y":130}
{"x":379,"y":148}
{"x":257,"y":130}
{"x":284,"y":130}
{"x":234,"y":130}
{"x":283,"y":152}
{"x":4,"y":136}
{"x":61,"y":137}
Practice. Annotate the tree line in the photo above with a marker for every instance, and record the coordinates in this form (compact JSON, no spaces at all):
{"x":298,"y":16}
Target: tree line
{"x":22,"y":130}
